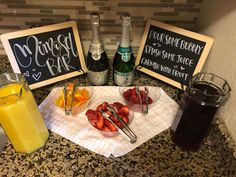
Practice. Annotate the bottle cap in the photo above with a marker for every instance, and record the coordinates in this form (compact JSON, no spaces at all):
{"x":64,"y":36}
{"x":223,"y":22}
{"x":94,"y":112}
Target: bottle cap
{"x":94,"y":16}
{"x":126,"y":19}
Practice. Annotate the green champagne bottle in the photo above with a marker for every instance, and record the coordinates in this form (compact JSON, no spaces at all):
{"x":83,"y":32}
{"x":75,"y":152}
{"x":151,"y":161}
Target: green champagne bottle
{"x":124,"y":62}
{"x":97,"y":61}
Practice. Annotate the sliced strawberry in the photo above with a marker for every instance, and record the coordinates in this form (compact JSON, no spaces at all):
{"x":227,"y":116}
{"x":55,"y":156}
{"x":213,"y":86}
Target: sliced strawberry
{"x":142,"y":94}
{"x":100,"y":121}
{"x":131,"y":96}
{"x":91,"y":114}
{"x":106,"y":122}
{"x":99,"y":107}
{"x":128,"y":91}
{"x":134,"y":99}
{"x":133,"y":91}
{"x":94,"y":123}
{"x":104,"y":105}
{"x":125,"y":118}
{"x":110,"y":126}
{"x":117,"y":105}
{"x":108,"y":112}
{"x":92,"y":117}
{"x":150,"y":101}
{"x":126,"y":94}
{"x":105,"y":128}
{"x":116,"y":121}
{"x":143,"y":100}
{"x":124,"y":110}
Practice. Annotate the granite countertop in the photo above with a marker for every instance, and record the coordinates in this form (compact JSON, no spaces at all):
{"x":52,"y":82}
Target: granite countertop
{"x":157,"y":157}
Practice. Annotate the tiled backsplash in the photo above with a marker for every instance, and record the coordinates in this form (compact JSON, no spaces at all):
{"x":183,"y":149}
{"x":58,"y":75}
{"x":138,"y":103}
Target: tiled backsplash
{"x":22,"y":14}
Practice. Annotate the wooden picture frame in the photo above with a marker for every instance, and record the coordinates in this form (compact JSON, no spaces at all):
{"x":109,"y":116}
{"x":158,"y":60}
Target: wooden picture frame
{"x":169,"y":40}
{"x":56,"y":53}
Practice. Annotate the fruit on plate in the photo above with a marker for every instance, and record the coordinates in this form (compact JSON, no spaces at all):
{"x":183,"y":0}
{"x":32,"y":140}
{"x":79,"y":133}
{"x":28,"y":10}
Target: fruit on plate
{"x":81,"y":96}
{"x":98,"y":121}
{"x":131,"y":96}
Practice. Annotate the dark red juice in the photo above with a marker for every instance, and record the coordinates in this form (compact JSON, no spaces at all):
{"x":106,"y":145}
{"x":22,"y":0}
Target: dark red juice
{"x":197,"y":113}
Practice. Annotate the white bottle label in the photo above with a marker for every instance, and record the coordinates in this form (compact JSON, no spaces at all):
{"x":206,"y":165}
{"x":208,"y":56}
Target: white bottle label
{"x":123,"y":78}
{"x":96,"y":56}
{"x":125,"y":53}
{"x":98,"y":78}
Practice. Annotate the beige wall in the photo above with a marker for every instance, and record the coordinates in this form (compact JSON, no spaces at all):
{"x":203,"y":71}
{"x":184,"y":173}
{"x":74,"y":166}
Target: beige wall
{"x":218,"y":19}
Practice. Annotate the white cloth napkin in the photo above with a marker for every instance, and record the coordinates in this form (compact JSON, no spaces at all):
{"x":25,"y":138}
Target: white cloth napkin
{"x":77,"y":128}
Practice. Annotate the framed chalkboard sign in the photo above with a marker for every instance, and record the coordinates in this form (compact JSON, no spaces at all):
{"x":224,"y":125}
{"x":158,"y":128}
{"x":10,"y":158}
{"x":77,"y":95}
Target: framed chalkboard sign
{"x":47,"y":54}
{"x":172,"y":54}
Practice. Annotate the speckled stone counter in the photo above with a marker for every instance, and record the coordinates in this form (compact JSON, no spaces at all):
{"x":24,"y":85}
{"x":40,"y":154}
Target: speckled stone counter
{"x":156,"y":157}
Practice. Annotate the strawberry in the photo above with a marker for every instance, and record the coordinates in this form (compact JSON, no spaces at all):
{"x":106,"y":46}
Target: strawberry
{"x":126,"y":94}
{"x":150,"y":101}
{"x":143,"y":100}
{"x":142,"y":93}
{"x":128,"y":91}
{"x":134,"y":99}
{"x":111,"y":126}
{"x":102,"y":106}
{"x":116,"y":121}
{"x":131,"y":96}
{"x":125,"y":118}
{"x":117,"y":105}
{"x":100,"y":121}
{"x":108,"y":112}
{"x":91,"y":114}
{"x":133,"y":91}
{"x":99,"y":107}
{"x":105,"y":128}
{"x":92,"y":117}
{"x":124,"y":110}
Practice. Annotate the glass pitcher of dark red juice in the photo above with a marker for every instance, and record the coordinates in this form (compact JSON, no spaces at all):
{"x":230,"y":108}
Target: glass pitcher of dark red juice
{"x":202,"y":99}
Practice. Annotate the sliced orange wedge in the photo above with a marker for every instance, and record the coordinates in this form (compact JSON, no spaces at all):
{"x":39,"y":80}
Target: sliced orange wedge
{"x":85,"y":93}
{"x":81,"y":96}
{"x":60,"y":101}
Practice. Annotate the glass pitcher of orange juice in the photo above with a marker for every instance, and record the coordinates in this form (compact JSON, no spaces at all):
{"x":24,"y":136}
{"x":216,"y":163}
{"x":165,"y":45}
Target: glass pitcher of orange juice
{"x":19,"y":115}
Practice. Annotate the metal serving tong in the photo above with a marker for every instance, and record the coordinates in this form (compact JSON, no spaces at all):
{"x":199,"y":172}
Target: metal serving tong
{"x":140,"y":99}
{"x":147,"y":92}
{"x":126,"y":131}
{"x":69,"y":90}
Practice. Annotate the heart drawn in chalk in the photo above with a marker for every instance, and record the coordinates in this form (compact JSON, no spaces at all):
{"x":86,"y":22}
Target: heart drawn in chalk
{"x":182,"y":68}
{"x":37,"y":76}
{"x":26,"y":73}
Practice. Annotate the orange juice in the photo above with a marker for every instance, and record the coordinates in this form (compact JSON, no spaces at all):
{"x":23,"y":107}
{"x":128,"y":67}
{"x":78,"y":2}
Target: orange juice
{"x":21,"y":119}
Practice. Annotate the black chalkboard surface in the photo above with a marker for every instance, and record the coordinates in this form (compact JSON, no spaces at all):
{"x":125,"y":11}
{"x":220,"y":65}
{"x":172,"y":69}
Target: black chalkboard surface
{"x":46,"y":54}
{"x":172,"y":54}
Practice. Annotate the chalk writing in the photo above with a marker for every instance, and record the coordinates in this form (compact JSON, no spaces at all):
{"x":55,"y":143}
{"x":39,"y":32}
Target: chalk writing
{"x":37,"y":76}
{"x":60,"y":49}
{"x":175,"y":42}
{"x":47,"y":54}
{"x":150,"y":63}
{"x":42,"y":56}
{"x":171,"y":54}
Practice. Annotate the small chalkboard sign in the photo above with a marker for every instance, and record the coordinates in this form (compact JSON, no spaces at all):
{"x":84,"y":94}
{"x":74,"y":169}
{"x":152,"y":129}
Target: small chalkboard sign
{"x":172,"y":54}
{"x":47,"y":54}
